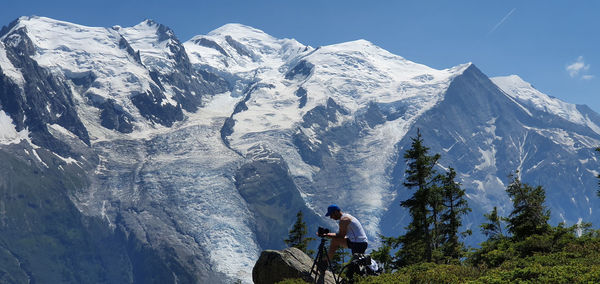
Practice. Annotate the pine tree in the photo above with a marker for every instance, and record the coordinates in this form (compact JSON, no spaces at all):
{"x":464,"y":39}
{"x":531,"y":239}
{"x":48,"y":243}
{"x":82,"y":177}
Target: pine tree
{"x":297,"y":235}
{"x":339,"y":259}
{"x":417,"y":242}
{"x":456,"y":205}
{"x":493,"y":229}
{"x":436,"y":205}
{"x":382,"y":254}
{"x":529,"y":215}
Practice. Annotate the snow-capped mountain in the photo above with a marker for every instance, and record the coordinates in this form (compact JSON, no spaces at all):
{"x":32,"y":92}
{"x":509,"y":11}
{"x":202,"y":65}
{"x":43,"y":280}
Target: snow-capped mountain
{"x":193,"y":157}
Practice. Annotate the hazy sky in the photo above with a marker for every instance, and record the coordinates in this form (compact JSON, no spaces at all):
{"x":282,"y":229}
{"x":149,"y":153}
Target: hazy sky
{"x":555,"y":45}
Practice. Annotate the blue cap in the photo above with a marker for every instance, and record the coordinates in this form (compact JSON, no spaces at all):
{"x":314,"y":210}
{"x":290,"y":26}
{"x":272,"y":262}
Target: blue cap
{"x":331,"y":209}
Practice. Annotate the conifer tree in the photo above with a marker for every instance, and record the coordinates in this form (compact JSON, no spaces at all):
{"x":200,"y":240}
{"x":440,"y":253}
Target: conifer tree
{"x":339,"y":259}
{"x":456,"y":205}
{"x":529,"y":215}
{"x":417,"y":242}
{"x":297,"y":235}
{"x":436,"y":205}
{"x":382,"y":254}
{"x":493,"y":229}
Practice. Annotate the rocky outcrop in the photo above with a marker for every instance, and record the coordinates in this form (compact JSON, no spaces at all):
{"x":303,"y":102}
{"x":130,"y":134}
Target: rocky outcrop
{"x":274,"y":266}
{"x":269,"y":189}
{"x":41,"y":99}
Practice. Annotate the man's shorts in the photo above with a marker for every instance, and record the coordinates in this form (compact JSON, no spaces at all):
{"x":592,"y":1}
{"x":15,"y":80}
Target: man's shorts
{"x":357,"y":247}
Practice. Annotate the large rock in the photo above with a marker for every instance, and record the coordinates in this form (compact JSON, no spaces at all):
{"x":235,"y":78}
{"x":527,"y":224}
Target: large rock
{"x":276,"y":265}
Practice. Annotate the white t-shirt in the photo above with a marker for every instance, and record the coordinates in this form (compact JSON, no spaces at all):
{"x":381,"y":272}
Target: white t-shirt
{"x":355,"y":232}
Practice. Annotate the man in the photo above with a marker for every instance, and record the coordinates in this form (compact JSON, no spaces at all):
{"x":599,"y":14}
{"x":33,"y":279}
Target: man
{"x":350,"y":234}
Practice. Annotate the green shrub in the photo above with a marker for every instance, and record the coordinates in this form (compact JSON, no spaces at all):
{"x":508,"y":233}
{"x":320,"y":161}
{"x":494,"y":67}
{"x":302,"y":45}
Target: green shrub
{"x":562,"y":259}
{"x":427,"y":273}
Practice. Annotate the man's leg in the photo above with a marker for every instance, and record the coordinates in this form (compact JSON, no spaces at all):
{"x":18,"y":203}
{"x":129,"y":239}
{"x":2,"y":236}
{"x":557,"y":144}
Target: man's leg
{"x":335,"y":244}
{"x":357,"y":247}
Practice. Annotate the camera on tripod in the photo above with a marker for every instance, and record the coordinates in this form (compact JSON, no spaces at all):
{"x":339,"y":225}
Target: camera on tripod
{"x":322,"y":232}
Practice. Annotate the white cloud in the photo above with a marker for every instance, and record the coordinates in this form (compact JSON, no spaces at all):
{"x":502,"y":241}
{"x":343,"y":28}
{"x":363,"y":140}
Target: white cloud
{"x":587,"y":77}
{"x":577,"y":67}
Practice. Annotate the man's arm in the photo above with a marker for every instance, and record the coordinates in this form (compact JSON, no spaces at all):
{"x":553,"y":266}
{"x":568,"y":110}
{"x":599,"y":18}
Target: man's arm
{"x":344,"y":222}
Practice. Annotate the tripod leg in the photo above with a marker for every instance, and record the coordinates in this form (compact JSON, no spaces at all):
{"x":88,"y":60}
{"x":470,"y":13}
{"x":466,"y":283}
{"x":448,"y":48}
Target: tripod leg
{"x":321,"y":268}
{"x":317,"y":267}
{"x":336,"y":278}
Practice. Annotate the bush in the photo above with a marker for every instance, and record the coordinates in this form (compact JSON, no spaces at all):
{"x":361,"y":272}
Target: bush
{"x":427,"y":273}
{"x":558,"y":257}
{"x":492,"y":253}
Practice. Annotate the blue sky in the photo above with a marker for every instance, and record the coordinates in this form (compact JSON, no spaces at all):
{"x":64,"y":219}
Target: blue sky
{"x":555,"y":45}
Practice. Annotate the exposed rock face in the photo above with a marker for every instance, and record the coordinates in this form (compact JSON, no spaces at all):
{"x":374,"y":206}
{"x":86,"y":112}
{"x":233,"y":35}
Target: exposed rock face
{"x":276,"y":265}
{"x":266,"y":185}
{"x":41,"y":99}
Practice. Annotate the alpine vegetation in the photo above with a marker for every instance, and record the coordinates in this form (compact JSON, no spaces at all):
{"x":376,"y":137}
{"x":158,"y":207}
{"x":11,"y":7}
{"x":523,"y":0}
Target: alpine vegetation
{"x":436,"y":209}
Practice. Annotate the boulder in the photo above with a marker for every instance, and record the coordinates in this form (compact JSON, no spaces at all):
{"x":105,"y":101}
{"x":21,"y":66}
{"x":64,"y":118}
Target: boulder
{"x":276,"y":265}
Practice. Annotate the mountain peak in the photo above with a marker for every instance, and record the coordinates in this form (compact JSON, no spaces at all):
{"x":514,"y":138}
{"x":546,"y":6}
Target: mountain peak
{"x":362,"y":42}
{"x":149,"y":29}
{"x":242,"y":32}
{"x":30,"y":21}
{"x":34,"y":20}
{"x":47,"y":33}
{"x":149,"y":22}
{"x":355,"y":45}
